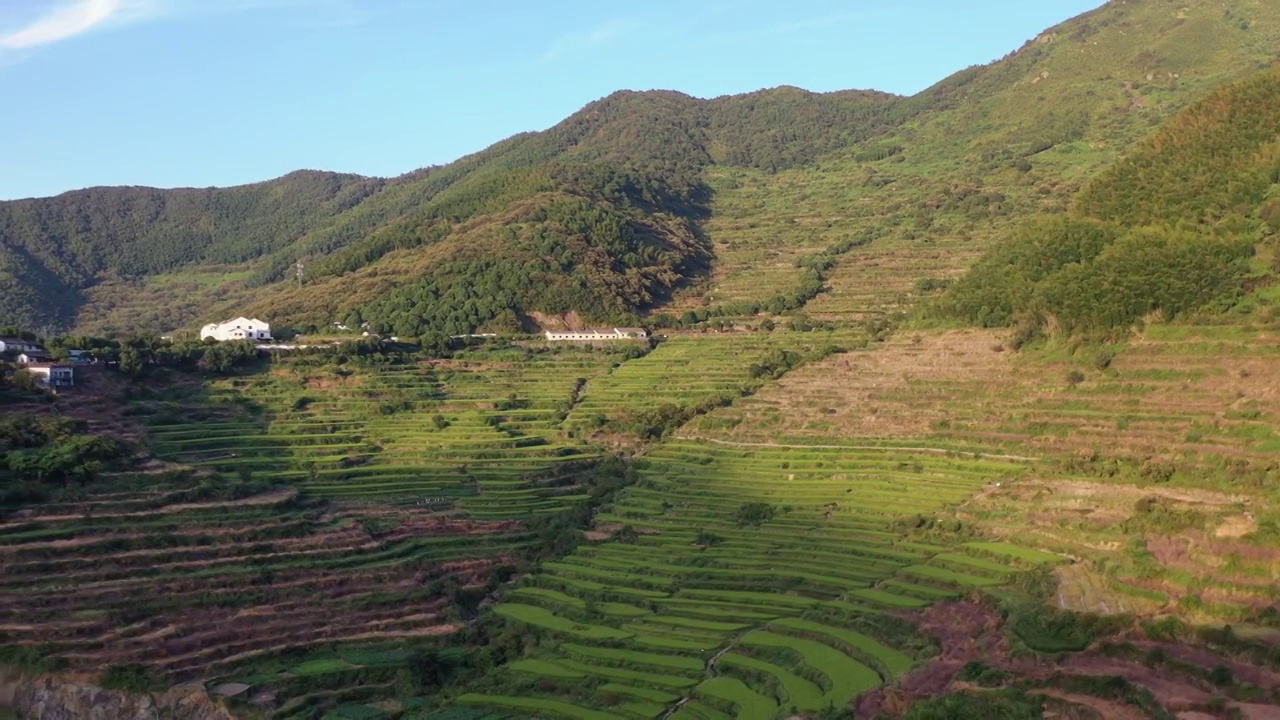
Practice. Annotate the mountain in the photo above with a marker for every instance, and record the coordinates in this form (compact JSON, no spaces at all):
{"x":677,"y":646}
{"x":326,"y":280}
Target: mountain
{"x":613,"y":190}
{"x":635,"y":200}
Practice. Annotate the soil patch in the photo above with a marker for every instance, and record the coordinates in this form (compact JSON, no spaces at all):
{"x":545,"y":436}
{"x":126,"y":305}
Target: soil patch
{"x":1106,"y":708}
{"x":1236,"y":527}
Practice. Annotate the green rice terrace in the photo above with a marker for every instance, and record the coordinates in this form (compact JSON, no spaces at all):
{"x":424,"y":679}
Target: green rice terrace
{"x":318,"y":524}
{"x":744,"y":583}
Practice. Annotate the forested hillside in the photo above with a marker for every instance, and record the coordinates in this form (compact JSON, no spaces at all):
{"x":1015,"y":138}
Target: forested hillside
{"x":613,"y":209}
{"x":1168,"y":230}
{"x":603,"y":207}
{"x":51,"y":248}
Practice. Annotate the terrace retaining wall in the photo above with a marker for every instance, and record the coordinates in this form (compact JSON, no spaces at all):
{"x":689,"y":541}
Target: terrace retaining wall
{"x":53,"y":698}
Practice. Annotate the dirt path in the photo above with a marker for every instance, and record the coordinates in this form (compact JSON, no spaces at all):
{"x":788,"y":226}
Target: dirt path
{"x":710,"y":672}
{"x":1106,"y":708}
{"x":934,"y":451}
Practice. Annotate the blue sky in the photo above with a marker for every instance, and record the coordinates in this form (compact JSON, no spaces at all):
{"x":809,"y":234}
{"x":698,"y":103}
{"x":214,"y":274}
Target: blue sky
{"x":217,"y":92}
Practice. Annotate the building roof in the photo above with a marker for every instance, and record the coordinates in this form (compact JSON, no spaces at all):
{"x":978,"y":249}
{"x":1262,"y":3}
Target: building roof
{"x":241,"y":319}
{"x":53,"y":365}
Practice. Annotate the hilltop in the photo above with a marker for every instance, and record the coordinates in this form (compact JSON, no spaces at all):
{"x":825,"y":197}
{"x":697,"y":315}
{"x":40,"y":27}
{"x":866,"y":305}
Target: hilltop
{"x":637,"y":196}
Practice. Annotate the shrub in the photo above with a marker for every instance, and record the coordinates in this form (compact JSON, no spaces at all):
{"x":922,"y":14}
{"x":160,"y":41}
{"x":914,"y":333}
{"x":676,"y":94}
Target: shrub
{"x":977,"y":706}
{"x":707,"y":539}
{"x":131,"y":679}
{"x":980,"y":673}
{"x":754,"y":514}
{"x":1048,"y":630}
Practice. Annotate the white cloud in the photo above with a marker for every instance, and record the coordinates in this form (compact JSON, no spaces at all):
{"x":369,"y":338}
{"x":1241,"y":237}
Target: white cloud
{"x":592,"y":38}
{"x":318,"y":13}
{"x":784,"y":28}
{"x":70,"y":18}
{"x":66,"y":21}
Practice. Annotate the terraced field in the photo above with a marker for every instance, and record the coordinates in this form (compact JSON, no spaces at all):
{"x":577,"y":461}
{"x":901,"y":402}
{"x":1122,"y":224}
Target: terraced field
{"x":692,"y":370}
{"x":479,"y":434}
{"x":691,"y":605}
{"x":759,"y":568}
{"x":1203,"y":391}
{"x":1153,"y":460}
{"x":763,"y":224}
{"x":332,"y":522}
{"x":193,"y":587}
{"x":320,"y":524}
{"x":758,"y":240}
{"x":884,"y":277}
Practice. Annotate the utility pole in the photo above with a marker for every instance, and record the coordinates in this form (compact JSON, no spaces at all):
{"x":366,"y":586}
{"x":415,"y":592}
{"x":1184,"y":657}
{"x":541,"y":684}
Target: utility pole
{"x":298,"y":268}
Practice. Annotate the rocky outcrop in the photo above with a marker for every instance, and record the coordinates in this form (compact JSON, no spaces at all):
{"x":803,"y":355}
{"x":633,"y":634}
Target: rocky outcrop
{"x":54,"y":698}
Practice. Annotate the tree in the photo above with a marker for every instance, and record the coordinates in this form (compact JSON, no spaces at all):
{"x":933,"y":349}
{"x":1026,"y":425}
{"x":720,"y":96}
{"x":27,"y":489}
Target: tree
{"x":130,"y":361}
{"x":25,"y":381}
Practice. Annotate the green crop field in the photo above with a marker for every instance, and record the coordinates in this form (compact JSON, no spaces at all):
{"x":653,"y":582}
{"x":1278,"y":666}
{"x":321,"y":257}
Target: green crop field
{"x":546,"y":669}
{"x":782,"y":594}
{"x":845,"y":677}
{"x":384,"y":493}
{"x":797,"y":692}
{"x":746,"y":703}
{"x":466,"y":433}
{"x":537,"y":705}
{"x":543,"y":618}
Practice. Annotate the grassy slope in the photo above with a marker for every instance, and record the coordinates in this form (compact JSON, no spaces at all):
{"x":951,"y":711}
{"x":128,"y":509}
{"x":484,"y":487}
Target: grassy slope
{"x":1059,"y":105}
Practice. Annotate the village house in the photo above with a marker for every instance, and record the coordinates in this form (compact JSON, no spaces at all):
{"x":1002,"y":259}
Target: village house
{"x":32,"y":357}
{"x":240,"y":328}
{"x":53,"y":375}
{"x":18,"y":345}
{"x":597,"y":335}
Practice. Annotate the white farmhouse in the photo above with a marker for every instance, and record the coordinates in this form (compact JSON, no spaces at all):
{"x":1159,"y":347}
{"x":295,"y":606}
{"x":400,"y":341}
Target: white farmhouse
{"x":53,"y":375}
{"x":239,"y":329}
{"x":597,"y":335}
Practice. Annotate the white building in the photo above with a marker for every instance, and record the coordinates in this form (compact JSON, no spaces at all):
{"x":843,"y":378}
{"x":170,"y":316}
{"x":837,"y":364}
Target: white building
{"x":12,"y":344}
{"x":53,"y":375}
{"x":597,"y":335}
{"x":239,"y":329}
